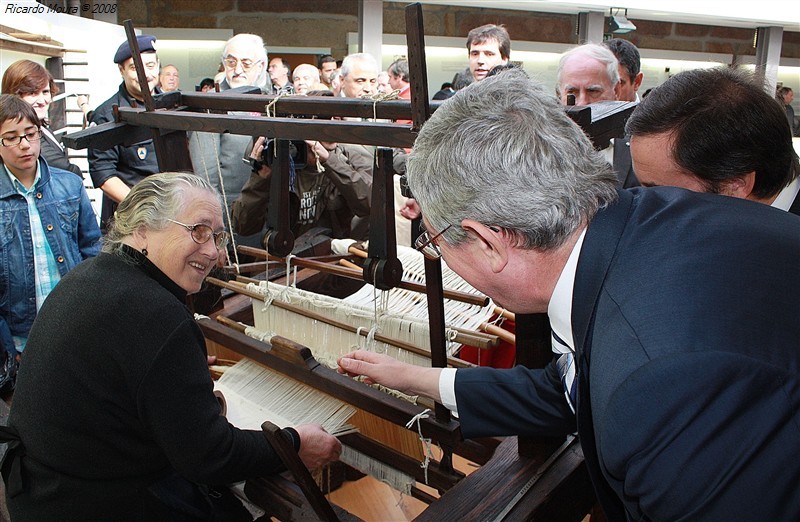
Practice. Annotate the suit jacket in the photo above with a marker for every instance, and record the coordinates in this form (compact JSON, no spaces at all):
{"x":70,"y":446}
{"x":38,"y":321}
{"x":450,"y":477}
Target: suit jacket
{"x":623,"y":164}
{"x":685,"y":316}
{"x":795,"y":208}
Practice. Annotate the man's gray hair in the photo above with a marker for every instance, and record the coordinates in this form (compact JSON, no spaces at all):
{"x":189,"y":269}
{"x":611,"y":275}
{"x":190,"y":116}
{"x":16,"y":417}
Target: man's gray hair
{"x":151,"y":203}
{"x":504,"y":153}
{"x":366,"y":58}
{"x":600,"y":53}
{"x":307,"y":67}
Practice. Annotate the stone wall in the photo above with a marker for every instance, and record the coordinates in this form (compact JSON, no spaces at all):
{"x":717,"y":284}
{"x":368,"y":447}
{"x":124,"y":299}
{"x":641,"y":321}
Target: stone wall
{"x":325,"y":23}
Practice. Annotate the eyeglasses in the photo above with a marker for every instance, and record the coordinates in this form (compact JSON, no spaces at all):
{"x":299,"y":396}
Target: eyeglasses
{"x":12,"y":141}
{"x":426,"y":243}
{"x":247,"y":64}
{"x":201,"y":233}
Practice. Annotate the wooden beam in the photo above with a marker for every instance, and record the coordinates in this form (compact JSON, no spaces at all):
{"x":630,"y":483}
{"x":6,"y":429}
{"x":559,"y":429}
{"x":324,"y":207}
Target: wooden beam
{"x":136,"y":126}
{"x":317,"y":106}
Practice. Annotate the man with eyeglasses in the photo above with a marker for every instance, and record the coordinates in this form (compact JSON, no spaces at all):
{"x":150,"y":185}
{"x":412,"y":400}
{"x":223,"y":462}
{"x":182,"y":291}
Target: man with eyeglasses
{"x":47,"y":227}
{"x":674,"y":314}
{"x":218,"y":157}
{"x":116,"y":170}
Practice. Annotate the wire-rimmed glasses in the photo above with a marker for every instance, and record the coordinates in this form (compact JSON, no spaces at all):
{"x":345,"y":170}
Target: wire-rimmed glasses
{"x":201,"y":233}
{"x":246,"y":63}
{"x":426,"y":243}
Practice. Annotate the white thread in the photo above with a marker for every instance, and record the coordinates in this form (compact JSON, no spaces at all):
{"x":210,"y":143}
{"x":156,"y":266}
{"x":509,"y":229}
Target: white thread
{"x":271,"y":105}
{"x":359,"y":336}
{"x":289,"y":270}
{"x":222,"y":189}
{"x":371,"y":336}
{"x":381,"y":96}
{"x":426,"y":443}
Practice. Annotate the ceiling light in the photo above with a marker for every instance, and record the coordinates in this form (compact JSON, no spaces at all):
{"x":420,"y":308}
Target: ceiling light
{"x":618,"y":22}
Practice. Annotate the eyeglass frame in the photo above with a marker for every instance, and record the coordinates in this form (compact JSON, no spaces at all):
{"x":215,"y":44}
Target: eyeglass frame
{"x":425,"y":243}
{"x":427,"y":247}
{"x":219,"y":237}
{"x":18,"y":138}
{"x":246,"y":63}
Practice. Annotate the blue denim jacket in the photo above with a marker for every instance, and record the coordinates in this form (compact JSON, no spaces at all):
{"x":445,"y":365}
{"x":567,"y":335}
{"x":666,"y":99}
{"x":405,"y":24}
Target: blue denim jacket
{"x":71,"y":229}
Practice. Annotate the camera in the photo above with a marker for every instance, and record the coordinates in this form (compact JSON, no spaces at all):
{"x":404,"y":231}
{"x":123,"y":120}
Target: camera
{"x":405,"y":190}
{"x":298,"y":151}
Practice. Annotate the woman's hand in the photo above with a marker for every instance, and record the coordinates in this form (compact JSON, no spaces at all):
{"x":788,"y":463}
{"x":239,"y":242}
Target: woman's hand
{"x":317,"y":446}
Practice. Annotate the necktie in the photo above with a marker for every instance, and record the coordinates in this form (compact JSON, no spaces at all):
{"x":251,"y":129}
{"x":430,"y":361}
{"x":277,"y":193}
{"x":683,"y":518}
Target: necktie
{"x":566,"y":368}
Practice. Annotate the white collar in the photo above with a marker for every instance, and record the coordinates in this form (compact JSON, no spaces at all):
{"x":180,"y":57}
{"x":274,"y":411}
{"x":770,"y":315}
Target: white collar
{"x":787,"y":195}
{"x":559,"y":310}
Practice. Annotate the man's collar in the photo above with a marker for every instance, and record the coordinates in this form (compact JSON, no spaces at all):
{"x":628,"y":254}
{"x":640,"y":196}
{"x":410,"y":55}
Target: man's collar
{"x":787,"y":196}
{"x":560,"y":308}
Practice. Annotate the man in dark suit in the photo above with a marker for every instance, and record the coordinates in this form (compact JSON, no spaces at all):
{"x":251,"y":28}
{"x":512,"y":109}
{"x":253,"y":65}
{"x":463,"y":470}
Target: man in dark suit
{"x":716,"y":130}
{"x":675,"y":314}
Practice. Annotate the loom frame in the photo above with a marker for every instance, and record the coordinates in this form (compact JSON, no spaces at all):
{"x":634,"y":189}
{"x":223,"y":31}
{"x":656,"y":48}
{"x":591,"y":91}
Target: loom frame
{"x":563,"y":490}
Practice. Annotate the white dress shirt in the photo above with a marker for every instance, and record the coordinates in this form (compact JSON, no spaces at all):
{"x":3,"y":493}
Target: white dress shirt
{"x":559,"y":310}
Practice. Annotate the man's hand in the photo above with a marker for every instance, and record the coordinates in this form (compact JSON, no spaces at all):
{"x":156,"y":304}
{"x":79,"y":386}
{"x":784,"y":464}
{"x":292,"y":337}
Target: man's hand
{"x":255,"y":154}
{"x":320,"y":149}
{"x":317,"y":446}
{"x":411,"y":209}
{"x":382,"y":369}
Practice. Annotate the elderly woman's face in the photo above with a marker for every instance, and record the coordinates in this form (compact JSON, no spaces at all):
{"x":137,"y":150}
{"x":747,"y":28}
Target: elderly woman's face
{"x":174,"y":251}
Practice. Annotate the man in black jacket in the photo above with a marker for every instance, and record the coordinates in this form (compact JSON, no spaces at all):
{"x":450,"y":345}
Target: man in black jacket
{"x":116,"y":170}
{"x":716,"y":130}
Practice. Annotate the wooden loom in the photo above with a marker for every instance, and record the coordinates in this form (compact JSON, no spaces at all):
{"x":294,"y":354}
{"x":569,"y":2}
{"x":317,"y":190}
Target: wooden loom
{"x":539,"y":478}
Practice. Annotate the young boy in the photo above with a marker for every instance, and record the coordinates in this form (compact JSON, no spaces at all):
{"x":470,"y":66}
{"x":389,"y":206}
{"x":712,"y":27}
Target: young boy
{"x":47,"y":226}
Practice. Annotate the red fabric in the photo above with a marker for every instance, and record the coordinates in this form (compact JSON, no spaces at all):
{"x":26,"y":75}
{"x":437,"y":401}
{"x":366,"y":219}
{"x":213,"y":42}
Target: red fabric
{"x":503,"y":356}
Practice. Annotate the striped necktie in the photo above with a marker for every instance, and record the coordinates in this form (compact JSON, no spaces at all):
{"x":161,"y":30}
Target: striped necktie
{"x":566,"y":368}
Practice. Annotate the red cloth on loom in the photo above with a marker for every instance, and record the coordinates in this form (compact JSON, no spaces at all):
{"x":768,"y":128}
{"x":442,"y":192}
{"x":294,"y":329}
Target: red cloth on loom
{"x":502,"y":356}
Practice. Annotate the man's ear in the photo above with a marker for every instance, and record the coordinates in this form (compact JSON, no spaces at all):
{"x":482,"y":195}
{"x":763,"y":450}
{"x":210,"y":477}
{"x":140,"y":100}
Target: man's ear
{"x":492,"y":243}
{"x":617,"y":90}
{"x":637,"y":81}
{"x":741,"y":186}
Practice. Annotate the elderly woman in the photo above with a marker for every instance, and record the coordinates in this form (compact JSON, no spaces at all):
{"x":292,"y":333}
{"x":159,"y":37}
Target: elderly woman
{"x":34,"y":84}
{"x":114,"y":410}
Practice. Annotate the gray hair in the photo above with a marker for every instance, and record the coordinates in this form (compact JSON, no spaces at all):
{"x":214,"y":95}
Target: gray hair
{"x":347,"y":63}
{"x":504,"y":153}
{"x":151,"y":203}
{"x":307,"y":66}
{"x":600,"y":53}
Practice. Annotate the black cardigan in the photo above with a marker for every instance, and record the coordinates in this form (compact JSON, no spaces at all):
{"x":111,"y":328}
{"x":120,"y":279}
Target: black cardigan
{"x":114,"y":394}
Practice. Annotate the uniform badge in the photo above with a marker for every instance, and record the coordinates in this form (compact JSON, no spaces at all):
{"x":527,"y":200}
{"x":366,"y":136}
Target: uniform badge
{"x":142,"y":153}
